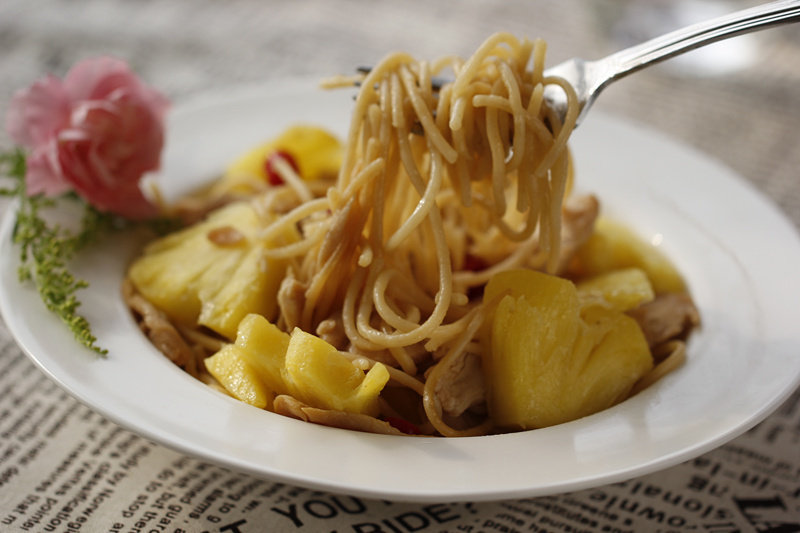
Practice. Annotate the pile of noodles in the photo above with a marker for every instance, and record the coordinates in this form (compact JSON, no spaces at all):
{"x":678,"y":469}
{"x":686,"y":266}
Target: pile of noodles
{"x":441,"y":186}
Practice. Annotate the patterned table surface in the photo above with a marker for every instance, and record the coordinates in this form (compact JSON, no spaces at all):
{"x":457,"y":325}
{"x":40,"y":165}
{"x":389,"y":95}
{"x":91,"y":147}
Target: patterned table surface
{"x":737,"y":101}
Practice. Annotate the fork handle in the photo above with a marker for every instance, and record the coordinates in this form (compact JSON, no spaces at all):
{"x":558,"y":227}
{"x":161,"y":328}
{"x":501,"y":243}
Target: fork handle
{"x":677,"y":42}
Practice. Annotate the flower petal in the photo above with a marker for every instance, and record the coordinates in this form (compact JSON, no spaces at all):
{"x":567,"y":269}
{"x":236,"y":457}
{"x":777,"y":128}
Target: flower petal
{"x":36,"y":113}
{"x":96,"y":78}
{"x":43,"y":174}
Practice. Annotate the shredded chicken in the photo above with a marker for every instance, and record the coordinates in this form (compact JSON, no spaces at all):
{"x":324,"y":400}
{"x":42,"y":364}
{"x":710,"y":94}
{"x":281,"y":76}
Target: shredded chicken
{"x":578,"y":216}
{"x":669,"y":316}
{"x":331,"y":330}
{"x":289,"y":406}
{"x":462,"y":386}
{"x":226,"y":236}
{"x":291,"y":299}
{"x":160,"y":331}
{"x":344,"y":219}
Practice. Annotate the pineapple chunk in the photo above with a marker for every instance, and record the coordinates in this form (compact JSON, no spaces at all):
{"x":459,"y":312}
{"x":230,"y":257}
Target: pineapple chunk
{"x":230,"y":366}
{"x":613,"y":246}
{"x":317,"y":374}
{"x":250,"y":368}
{"x":195,"y":280}
{"x":265,"y":362}
{"x":264,"y":346}
{"x":552,"y":360}
{"x":317,"y":153}
{"x":622,"y":290}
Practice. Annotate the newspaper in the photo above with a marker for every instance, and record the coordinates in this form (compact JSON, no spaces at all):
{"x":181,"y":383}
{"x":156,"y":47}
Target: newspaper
{"x":65,"y":468}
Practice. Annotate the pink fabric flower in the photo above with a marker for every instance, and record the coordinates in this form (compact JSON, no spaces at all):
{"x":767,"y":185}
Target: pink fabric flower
{"x":97,"y":132}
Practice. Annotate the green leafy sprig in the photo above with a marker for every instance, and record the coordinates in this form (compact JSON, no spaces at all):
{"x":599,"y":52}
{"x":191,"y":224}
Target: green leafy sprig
{"x":47,"y":248}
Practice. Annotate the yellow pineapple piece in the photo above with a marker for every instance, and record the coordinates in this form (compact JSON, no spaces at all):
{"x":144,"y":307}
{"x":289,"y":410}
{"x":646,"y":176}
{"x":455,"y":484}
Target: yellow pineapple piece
{"x":264,"y":346}
{"x":194,"y":279}
{"x":614,"y":246}
{"x":612,"y":364}
{"x":622,"y":290}
{"x":317,"y":374}
{"x":264,"y":362}
{"x":249,"y":287}
{"x":317,"y":153}
{"x":230,"y":366}
{"x":552,"y":360}
{"x":250,"y":368}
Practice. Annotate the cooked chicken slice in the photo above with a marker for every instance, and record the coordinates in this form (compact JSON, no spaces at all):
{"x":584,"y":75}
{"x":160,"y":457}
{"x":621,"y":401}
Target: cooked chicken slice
{"x":578,"y":215}
{"x":331,"y":330}
{"x":461,"y":386}
{"x":669,"y":316}
{"x":291,"y":299}
{"x":159,"y":330}
{"x":289,"y":406}
{"x":340,"y":233}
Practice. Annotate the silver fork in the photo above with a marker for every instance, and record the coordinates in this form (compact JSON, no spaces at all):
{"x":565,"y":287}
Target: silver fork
{"x":589,"y":78}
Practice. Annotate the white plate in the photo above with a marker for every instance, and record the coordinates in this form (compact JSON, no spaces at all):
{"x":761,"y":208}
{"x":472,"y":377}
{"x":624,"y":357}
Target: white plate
{"x":736,"y":250}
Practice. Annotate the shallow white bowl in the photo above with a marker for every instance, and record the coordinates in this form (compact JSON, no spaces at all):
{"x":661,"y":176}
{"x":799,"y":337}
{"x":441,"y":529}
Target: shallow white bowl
{"x":737,"y":252}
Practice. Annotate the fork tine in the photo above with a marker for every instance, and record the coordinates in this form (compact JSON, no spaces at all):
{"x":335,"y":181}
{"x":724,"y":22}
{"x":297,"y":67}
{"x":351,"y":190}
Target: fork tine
{"x":436,"y":83}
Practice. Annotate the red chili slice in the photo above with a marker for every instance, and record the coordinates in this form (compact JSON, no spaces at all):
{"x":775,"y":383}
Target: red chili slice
{"x":273,"y":176}
{"x":474,"y":263}
{"x":403,"y":425}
